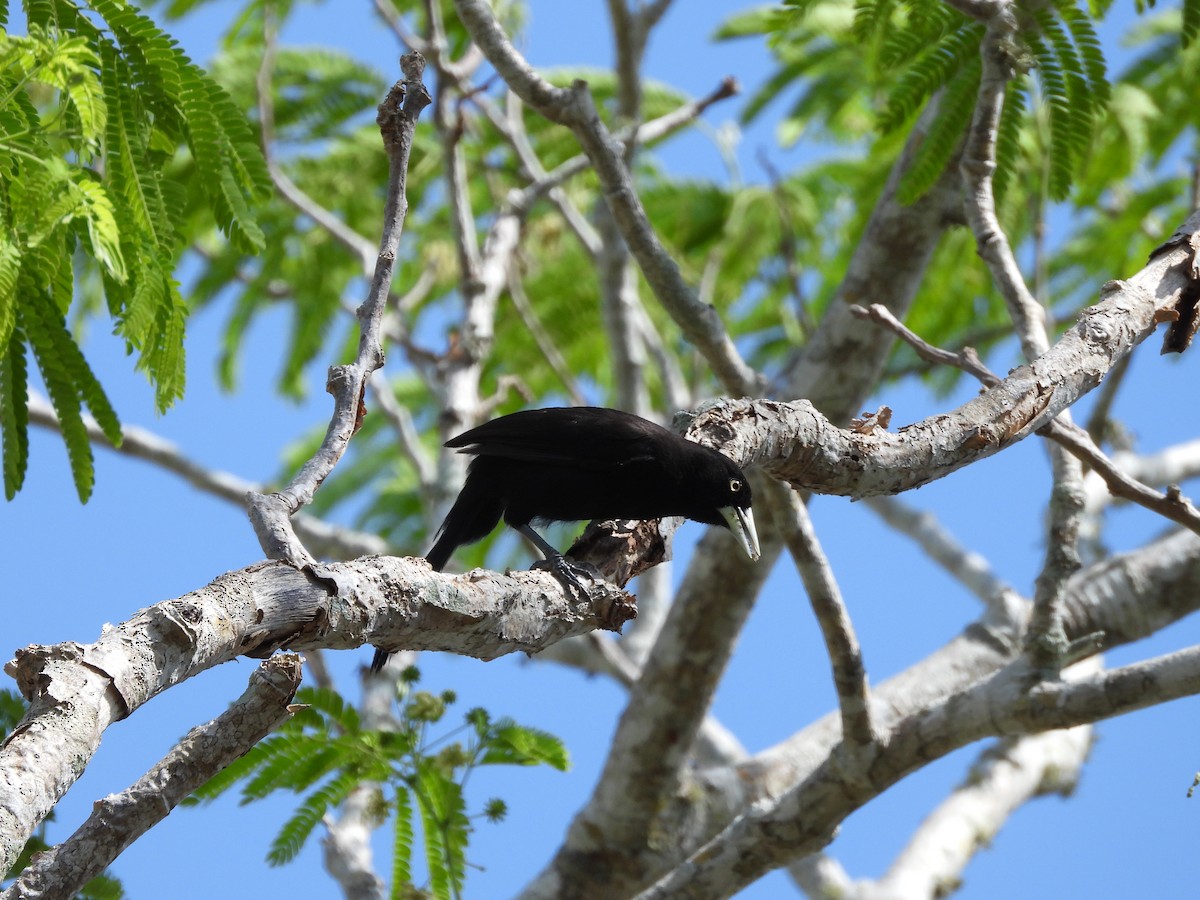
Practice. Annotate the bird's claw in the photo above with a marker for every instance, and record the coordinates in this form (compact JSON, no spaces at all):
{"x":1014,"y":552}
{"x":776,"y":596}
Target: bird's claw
{"x":567,"y":571}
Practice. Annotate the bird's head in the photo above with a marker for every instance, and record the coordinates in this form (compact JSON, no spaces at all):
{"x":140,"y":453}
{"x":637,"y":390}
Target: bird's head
{"x":727,"y":494}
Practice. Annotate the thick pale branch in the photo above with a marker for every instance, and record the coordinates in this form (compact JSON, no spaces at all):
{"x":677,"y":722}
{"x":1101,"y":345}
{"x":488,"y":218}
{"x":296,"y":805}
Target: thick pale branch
{"x":120,"y":819}
{"x":805,"y":819}
{"x":797,"y":444}
{"x":1172,"y":505}
{"x":77,"y":690}
{"x":1007,"y":776}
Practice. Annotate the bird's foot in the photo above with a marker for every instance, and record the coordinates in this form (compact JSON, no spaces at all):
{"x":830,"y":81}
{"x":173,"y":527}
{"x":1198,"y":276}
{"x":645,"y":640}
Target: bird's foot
{"x":568,"y":571}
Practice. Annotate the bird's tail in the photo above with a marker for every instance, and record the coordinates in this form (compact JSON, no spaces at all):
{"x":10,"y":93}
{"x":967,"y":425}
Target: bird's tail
{"x":474,"y":514}
{"x":379,"y":660}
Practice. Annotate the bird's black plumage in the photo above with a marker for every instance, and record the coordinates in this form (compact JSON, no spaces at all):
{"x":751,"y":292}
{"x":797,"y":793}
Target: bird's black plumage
{"x":583,"y":463}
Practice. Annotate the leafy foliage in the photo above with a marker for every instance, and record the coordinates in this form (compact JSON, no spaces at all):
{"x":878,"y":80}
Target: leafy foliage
{"x":325,"y":753}
{"x":914,"y":50}
{"x":93,"y":105}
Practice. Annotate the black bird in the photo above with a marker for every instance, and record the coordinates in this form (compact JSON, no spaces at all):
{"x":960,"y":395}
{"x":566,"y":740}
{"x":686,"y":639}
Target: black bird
{"x":584,"y":463}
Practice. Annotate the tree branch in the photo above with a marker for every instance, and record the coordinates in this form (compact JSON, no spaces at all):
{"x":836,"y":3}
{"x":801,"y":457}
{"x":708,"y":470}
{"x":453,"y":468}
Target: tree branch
{"x":120,"y":819}
{"x":1172,"y":505}
{"x":76,"y":691}
{"x":845,"y":654}
{"x":797,"y":444}
{"x":804,"y":819}
{"x":270,"y":513}
{"x":1006,"y":777}
{"x":699,"y":323}
{"x":326,"y":539}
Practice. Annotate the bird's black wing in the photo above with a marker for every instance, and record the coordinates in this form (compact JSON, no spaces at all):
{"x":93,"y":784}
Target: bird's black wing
{"x":583,"y":437}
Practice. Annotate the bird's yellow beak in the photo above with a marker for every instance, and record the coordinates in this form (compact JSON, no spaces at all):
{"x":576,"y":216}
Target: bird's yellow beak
{"x":741,"y":523}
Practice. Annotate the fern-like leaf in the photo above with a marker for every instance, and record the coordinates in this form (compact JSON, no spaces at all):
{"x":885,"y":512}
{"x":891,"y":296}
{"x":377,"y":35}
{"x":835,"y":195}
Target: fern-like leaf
{"x":1191,"y":21}
{"x":48,"y":336}
{"x":1058,"y":103}
{"x":1008,"y":133}
{"x":944,"y":135}
{"x":933,"y":69}
{"x":277,"y":771}
{"x":402,"y":845}
{"x":14,"y":412}
{"x":130,"y":170}
{"x":1087,"y":44}
{"x":10,"y":270}
{"x":296,"y":830}
{"x":432,"y":801}
{"x":163,"y":356}
{"x":104,"y":235}
{"x":443,"y":813}
{"x":331,"y":705}
{"x":511,"y":743}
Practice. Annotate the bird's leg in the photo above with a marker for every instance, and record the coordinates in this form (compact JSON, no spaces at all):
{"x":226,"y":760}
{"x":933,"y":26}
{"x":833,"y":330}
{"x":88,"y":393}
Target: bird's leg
{"x":566,"y":571}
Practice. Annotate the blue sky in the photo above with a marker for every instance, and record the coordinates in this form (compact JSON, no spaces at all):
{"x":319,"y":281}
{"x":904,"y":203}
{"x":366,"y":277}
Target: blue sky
{"x":145,"y":536}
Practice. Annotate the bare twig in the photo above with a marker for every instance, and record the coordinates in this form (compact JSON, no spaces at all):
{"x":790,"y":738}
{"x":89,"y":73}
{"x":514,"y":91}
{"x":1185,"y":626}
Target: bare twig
{"x":1171,"y":505}
{"x":270,"y":513}
{"x":512,"y":126}
{"x":1071,"y":437}
{"x":402,"y":424}
{"x":845,"y":655}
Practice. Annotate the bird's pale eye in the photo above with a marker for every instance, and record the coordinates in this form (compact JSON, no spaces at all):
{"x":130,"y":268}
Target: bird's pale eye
{"x":734,"y":485}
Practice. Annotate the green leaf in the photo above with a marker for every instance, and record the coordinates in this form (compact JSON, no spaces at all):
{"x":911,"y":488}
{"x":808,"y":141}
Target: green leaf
{"x":332,"y":706}
{"x":402,"y":845}
{"x":10,"y":269}
{"x":12,"y":711}
{"x":446,"y":827}
{"x":14,"y":413}
{"x":1008,"y":133}
{"x":930,"y":71}
{"x":296,"y":830}
{"x":1191,"y":21}
{"x":945,"y":133}
{"x":517,"y":744}
{"x":104,"y":235}
{"x":102,"y":887}
{"x":1058,"y":103}
{"x":58,"y":359}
